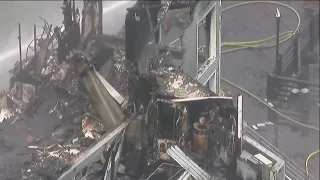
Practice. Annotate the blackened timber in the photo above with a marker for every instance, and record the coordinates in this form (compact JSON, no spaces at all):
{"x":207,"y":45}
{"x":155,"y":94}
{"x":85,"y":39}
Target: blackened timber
{"x":73,"y":36}
{"x":91,"y":22}
{"x":61,"y":51}
{"x":35,"y":42}
{"x":20,"y":53}
{"x":67,"y":14}
{"x":130,"y":32}
{"x":42,"y":54}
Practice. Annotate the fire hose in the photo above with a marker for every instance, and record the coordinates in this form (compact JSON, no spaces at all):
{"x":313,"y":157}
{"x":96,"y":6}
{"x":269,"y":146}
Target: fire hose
{"x":262,"y":43}
{"x":308,"y":159}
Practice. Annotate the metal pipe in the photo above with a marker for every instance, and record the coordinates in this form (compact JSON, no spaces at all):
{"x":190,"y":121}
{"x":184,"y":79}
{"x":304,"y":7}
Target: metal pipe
{"x":20,"y":53}
{"x":278,"y":72}
{"x":278,"y":68}
{"x":311,"y":31}
{"x":296,"y":55}
{"x":271,"y":94}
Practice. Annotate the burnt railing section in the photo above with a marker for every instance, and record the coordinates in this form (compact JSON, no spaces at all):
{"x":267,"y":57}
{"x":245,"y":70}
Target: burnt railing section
{"x":305,"y":38}
{"x":290,"y":87}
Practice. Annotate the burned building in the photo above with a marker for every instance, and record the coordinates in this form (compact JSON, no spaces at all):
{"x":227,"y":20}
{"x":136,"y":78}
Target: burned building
{"x":123,"y":113}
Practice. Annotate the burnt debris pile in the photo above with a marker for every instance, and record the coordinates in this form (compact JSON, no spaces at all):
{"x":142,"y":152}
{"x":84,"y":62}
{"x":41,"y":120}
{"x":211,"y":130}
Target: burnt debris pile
{"x":83,"y":109}
{"x":49,"y":101}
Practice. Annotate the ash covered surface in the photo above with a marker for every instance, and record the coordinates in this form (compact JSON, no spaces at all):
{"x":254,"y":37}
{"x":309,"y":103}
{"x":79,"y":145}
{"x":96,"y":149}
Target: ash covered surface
{"x":42,"y":135}
{"x":44,"y":131}
{"x":176,"y":84}
{"x":122,"y":70}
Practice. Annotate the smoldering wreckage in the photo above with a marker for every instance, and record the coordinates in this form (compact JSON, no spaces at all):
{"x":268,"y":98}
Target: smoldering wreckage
{"x":114,"y":120}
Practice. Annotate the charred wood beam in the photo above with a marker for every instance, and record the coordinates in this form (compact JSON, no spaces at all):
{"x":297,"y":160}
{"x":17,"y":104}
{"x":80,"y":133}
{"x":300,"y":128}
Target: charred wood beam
{"x":20,"y":52}
{"x":69,"y":39}
{"x":67,"y":14}
{"x":43,"y":52}
{"x":91,"y":21}
{"x":35,"y":41}
{"x":130,"y":31}
{"x":62,"y":46}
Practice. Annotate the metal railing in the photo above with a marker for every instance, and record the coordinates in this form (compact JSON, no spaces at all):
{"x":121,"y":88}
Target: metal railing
{"x":297,"y":74}
{"x":292,"y":169}
{"x":306,"y":36}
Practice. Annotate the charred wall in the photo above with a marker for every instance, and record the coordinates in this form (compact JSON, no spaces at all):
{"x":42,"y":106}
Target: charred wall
{"x":91,"y":21}
{"x":137,"y":28}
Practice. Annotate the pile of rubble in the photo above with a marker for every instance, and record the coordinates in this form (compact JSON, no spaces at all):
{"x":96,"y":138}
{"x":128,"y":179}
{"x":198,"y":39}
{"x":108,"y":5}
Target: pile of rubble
{"x":57,"y":121}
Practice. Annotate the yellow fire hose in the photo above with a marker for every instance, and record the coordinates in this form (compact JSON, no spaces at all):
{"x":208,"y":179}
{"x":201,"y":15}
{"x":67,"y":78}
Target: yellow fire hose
{"x":267,"y":42}
{"x":262,"y":43}
{"x":308,"y":159}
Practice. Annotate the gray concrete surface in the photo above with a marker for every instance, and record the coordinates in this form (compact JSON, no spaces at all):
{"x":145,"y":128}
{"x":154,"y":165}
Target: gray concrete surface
{"x":249,"y":68}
